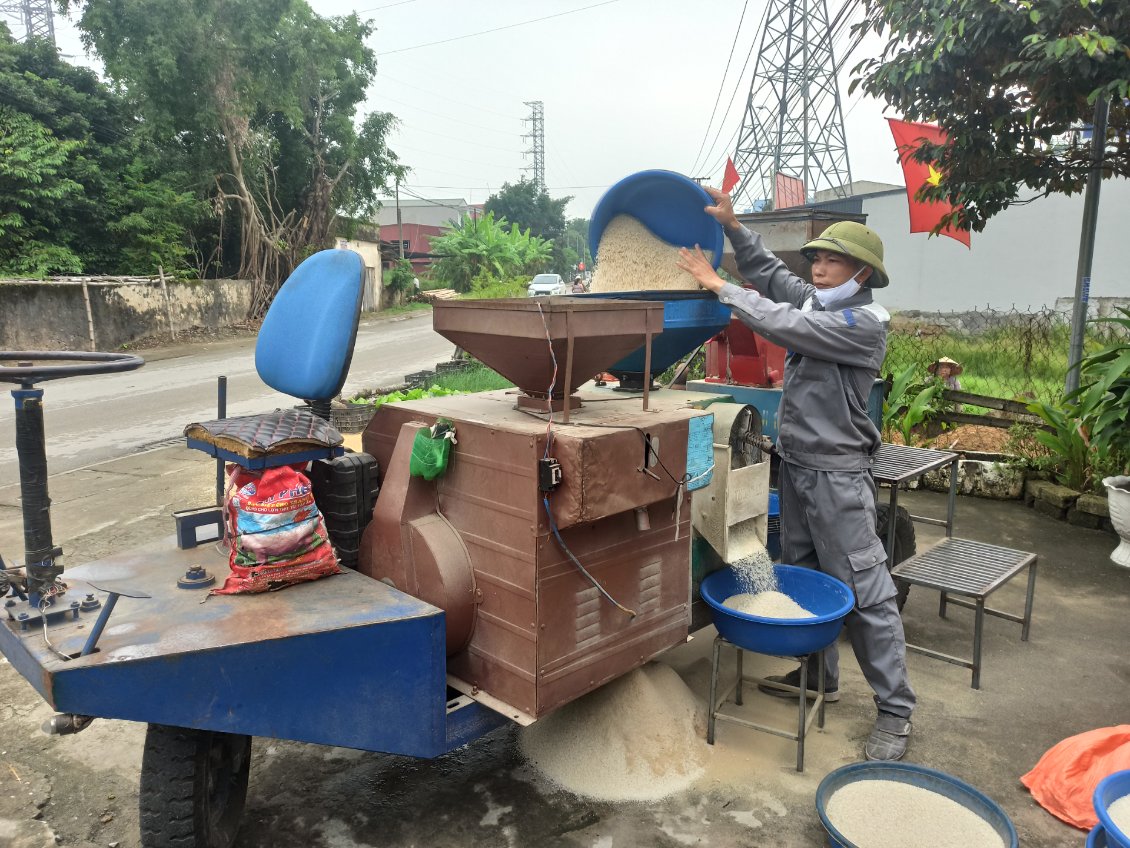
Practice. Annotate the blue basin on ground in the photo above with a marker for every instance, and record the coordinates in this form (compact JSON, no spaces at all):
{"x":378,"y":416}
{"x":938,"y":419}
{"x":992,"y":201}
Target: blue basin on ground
{"x":1097,"y":837}
{"x":689,"y":319}
{"x":1109,"y":790}
{"x":915,"y":775}
{"x":829,"y":599}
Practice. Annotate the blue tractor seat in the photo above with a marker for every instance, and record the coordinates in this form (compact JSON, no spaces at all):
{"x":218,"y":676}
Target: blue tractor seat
{"x":304,"y":349}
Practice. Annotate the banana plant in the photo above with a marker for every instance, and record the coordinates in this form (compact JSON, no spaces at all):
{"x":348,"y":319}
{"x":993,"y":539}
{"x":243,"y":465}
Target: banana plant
{"x":1102,"y":400}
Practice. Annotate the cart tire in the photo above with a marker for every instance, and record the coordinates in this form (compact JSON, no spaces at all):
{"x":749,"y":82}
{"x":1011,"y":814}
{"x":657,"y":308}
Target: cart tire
{"x":193,"y":787}
{"x":905,"y":544}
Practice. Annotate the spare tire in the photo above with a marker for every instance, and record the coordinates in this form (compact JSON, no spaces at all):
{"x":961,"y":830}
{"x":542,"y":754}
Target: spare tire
{"x":904,"y":547}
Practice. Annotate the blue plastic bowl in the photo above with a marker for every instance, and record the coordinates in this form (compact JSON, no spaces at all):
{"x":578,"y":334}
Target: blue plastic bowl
{"x":828,"y":598}
{"x":1097,"y":838}
{"x":689,"y":319}
{"x":668,"y":204}
{"x":925,"y":778}
{"x":1110,"y":789}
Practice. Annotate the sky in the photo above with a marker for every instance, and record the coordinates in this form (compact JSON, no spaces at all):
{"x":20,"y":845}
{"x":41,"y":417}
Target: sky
{"x":626,"y":85}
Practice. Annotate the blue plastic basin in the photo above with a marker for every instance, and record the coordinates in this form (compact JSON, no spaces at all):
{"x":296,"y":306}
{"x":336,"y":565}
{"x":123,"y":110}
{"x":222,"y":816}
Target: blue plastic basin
{"x":689,"y":319}
{"x":826,"y":597}
{"x":669,"y":204}
{"x":915,"y":775}
{"x":1109,"y":790}
{"x":1097,"y":838}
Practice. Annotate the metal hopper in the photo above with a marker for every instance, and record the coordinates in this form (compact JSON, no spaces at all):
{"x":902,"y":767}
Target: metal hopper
{"x":548,"y":346}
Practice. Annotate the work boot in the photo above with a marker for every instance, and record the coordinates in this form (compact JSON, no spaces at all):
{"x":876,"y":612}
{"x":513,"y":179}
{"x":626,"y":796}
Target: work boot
{"x":831,"y":693}
{"x":889,"y":738}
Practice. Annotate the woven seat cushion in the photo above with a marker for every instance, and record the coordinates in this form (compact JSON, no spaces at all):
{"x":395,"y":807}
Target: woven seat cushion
{"x":278,"y":432}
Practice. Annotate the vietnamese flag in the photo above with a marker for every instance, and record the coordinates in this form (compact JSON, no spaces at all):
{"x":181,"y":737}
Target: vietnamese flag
{"x":924,"y":214}
{"x":730,"y":178}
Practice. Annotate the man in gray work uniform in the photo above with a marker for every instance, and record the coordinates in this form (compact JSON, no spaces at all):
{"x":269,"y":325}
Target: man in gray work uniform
{"x":836,"y":337}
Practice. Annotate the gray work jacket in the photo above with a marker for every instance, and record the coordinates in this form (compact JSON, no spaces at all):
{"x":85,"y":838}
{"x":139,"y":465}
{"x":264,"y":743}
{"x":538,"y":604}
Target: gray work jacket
{"x":833,"y":358}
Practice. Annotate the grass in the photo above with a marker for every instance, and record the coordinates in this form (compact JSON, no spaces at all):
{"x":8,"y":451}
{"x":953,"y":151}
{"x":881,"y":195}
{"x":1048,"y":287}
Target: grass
{"x":477,"y":378}
{"x":400,"y":310}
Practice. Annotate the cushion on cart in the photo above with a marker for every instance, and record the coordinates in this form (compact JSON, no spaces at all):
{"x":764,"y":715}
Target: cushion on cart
{"x":279,"y":432}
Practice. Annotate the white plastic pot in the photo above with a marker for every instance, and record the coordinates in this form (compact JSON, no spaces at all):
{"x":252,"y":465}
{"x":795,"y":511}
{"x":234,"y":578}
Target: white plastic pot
{"x":1118,"y":499}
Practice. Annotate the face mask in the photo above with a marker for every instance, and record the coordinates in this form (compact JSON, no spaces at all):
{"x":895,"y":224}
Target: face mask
{"x":830,"y":297}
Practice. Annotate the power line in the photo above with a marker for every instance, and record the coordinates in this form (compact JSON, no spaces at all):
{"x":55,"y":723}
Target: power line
{"x":499,"y":29}
{"x":386,"y":6}
{"x":452,"y":99}
{"x":448,"y":117}
{"x":721,"y":86}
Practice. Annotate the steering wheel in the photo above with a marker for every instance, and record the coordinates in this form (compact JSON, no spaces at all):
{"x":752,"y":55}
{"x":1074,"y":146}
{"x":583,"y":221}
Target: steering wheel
{"x":30,"y":367}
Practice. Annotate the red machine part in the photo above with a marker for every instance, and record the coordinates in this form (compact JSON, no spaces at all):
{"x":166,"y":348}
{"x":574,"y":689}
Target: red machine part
{"x":739,"y":356}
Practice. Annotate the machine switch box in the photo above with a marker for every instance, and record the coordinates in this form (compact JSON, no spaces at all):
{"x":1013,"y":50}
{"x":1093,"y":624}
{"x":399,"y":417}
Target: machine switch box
{"x":549,"y":474}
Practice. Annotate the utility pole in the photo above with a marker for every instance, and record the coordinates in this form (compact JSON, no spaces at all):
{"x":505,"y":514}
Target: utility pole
{"x":1087,"y":243}
{"x":399,"y":220}
{"x":35,"y":15}
{"x":537,"y":150}
{"x":793,"y":122}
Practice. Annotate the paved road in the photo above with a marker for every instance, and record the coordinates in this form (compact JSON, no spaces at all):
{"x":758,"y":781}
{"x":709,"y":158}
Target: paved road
{"x":93,"y":419}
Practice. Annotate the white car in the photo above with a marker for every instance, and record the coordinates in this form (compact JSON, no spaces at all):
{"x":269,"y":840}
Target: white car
{"x":544,"y":284}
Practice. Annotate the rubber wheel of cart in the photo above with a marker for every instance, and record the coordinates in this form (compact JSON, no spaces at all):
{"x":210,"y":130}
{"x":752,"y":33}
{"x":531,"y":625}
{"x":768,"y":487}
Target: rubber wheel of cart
{"x":905,"y":544}
{"x":193,"y":787}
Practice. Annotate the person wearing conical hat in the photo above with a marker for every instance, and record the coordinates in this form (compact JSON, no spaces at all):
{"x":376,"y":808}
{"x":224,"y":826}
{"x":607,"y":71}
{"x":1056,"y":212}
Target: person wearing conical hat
{"x":836,"y":336}
{"x":947,"y":370}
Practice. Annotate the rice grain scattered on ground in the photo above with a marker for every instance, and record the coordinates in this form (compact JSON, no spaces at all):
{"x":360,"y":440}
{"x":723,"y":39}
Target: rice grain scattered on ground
{"x":639,"y":738}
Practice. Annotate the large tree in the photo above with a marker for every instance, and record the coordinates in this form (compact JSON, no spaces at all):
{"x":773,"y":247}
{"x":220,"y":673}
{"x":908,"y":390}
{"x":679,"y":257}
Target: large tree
{"x":525,"y":204}
{"x":1013,"y":83}
{"x":81,"y":189}
{"x":264,"y":95}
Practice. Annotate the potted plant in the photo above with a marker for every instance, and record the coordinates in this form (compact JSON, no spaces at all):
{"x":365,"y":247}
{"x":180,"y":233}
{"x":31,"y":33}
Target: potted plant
{"x":1104,"y":392}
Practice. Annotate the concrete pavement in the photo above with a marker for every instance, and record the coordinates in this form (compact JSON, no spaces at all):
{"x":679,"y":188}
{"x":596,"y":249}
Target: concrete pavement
{"x":1071,"y":676}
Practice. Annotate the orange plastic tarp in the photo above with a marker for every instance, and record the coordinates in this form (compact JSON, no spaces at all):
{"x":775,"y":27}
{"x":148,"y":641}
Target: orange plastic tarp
{"x":1064,"y":780}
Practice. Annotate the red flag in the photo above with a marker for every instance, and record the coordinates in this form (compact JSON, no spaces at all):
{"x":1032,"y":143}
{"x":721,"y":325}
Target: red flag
{"x":924,"y":214}
{"x":788,"y":191}
{"x":731,"y":178}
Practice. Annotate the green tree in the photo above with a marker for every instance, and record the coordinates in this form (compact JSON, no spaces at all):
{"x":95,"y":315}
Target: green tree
{"x":524,"y":204}
{"x":476,"y":249}
{"x":574,"y":243}
{"x":125,"y":207}
{"x":1012,"y":82}
{"x":271,"y":115}
{"x":32,"y":189}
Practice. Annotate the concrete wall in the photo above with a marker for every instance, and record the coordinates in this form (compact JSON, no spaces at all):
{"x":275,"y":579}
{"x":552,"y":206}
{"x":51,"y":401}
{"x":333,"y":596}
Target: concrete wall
{"x":53,"y":315}
{"x":1026,"y":256}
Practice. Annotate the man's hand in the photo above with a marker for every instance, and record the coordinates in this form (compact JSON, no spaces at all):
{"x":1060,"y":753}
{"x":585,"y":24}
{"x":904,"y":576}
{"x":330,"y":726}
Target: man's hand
{"x":698,"y":266}
{"x":723,"y":208}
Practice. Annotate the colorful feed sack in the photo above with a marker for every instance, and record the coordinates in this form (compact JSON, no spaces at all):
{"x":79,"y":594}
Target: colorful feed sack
{"x":276,"y":532}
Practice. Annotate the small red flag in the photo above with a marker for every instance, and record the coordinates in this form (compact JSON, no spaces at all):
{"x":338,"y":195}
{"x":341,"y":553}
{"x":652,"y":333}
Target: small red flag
{"x":924,"y":214}
{"x":731,"y":178}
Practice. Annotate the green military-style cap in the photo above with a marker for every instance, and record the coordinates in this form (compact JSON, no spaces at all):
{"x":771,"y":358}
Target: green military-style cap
{"x":855,"y":240}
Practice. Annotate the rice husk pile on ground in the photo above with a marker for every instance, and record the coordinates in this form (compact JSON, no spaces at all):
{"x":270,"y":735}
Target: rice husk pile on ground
{"x":632,"y":258}
{"x":639,"y":738}
{"x":890,"y":814}
{"x":767,"y":605}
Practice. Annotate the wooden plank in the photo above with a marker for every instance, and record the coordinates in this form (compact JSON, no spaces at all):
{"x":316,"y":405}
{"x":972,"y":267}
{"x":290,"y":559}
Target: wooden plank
{"x":1013,"y":406}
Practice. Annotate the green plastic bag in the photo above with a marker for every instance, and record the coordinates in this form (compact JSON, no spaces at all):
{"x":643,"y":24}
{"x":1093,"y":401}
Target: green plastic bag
{"x":431,"y":450}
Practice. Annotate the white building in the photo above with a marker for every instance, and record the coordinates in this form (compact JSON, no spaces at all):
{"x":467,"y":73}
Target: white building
{"x":1026,"y":257}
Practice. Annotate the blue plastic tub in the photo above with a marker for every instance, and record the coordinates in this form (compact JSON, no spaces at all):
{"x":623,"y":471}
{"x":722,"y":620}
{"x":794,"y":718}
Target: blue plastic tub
{"x":669,"y":204}
{"x":828,"y":598}
{"x":773,"y":533}
{"x":1097,"y":837}
{"x":925,"y":778}
{"x":1109,"y":790}
{"x":689,"y":319}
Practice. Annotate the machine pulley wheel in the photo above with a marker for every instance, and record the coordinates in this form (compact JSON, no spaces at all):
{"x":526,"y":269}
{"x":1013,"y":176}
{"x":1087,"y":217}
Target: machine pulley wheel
{"x":209,"y":768}
{"x":29,"y":367}
{"x":905,"y":544}
{"x":740,"y":426}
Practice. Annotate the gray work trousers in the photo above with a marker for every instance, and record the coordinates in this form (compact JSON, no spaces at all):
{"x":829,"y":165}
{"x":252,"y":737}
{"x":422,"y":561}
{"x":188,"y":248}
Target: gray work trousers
{"x":828,"y":523}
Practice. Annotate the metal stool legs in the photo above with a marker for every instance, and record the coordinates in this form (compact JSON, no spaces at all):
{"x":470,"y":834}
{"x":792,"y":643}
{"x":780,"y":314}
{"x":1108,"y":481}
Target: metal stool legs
{"x":805,"y":714}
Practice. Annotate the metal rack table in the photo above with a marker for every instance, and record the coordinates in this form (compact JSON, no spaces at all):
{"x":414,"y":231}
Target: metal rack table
{"x":973,"y":570}
{"x":899,"y":464}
